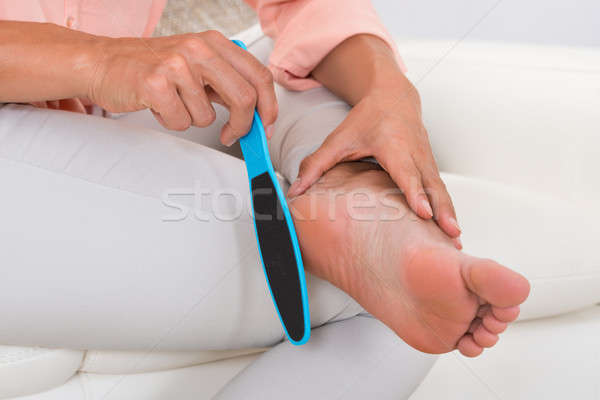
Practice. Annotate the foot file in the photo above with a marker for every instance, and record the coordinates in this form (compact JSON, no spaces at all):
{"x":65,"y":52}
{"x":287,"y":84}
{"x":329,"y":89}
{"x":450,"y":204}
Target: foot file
{"x":277,"y":241}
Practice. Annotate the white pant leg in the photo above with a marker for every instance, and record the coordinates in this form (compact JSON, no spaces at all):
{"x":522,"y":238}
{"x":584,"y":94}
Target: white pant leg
{"x":88,"y":260}
{"x":355,"y":359}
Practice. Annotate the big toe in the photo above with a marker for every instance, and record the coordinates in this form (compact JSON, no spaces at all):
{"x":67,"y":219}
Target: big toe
{"x":495,"y":283}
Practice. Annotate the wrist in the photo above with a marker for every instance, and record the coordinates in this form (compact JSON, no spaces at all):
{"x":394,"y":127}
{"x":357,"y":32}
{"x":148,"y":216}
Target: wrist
{"x":88,"y":59}
{"x":387,"y":83}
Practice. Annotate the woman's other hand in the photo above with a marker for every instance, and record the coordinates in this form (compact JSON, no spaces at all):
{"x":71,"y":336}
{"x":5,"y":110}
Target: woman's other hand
{"x":178,"y":77}
{"x":384,"y":123}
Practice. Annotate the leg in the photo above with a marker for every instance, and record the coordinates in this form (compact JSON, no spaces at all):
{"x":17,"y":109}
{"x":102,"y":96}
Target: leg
{"x":358,"y":358}
{"x":96,"y":260}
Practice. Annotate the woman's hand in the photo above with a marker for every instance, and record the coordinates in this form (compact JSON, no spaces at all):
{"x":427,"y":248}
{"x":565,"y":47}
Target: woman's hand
{"x":385,"y":123}
{"x":178,"y":77}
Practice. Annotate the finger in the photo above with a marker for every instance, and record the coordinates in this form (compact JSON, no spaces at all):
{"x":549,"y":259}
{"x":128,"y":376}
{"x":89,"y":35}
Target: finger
{"x":39,"y":104}
{"x":254,"y":72}
{"x":343,"y":144}
{"x":405,"y":174}
{"x":316,"y":164}
{"x":167,"y":106}
{"x":238,"y":95}
{"x":192,"y":93}
{"x":72,"y":104}
{"x":457,"y":243}
{"x":443,"y":209}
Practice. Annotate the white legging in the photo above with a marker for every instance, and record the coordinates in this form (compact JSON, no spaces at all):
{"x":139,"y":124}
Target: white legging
{"x":105,"y":246}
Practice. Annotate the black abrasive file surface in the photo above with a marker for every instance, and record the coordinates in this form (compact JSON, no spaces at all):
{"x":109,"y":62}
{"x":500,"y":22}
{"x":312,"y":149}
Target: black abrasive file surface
{"x":278,"y":254}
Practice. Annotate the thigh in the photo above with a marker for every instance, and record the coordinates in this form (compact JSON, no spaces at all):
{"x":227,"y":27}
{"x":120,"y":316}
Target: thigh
{"x":117,"y":237}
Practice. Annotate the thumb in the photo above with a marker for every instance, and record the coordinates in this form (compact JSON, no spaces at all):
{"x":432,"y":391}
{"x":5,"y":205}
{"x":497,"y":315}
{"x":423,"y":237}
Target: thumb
{"x":316,"y":164}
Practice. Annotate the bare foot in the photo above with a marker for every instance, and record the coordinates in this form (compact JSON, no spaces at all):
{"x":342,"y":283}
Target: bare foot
{"x":402,"y":269}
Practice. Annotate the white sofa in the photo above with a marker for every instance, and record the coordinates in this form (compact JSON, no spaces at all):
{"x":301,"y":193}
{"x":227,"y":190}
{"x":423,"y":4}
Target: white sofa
{"x":472,"y":87}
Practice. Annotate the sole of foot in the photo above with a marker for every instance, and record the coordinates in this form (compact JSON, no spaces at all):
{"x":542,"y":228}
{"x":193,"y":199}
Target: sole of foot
{"x":357,"y":232}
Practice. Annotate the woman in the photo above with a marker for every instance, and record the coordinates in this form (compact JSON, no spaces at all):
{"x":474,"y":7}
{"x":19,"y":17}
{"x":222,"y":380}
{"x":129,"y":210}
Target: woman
{"x":101,"y":231}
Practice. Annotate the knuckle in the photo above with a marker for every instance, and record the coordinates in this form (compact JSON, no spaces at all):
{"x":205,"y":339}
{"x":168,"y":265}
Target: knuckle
{"x":394,"y":140}
{"x":156,"y":82}
{"x":197,"y":46}
{"x":213,"y":34}
{"x":193,"y":43}
{"x":175,"y":62}
{"x":247,"y":97}
{"x":265,"y":76}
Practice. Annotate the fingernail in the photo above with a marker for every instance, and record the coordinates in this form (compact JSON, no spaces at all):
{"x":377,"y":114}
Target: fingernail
{"x":427,"y":207}
{"x":230,"y":142}
{"x":269,"y":131}
{"x":454,"y":223}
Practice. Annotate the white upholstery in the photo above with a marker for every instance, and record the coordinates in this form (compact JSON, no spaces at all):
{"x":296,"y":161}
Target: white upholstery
{"x":505,"y":90}
{"x":26,"y":370}
{"x":135,"y":362}
{"x":551,"y":358}
{"x":193,"y":383}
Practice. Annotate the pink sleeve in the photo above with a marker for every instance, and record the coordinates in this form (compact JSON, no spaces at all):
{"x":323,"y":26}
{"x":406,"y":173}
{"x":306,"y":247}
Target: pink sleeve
{"x":305,"y":31}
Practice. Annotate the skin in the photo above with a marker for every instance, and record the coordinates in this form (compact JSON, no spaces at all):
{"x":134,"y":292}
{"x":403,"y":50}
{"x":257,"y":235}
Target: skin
{"x":402,"y":268}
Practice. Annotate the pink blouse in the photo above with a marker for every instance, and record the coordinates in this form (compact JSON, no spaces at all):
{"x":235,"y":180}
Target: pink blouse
{"x":304,"y":30}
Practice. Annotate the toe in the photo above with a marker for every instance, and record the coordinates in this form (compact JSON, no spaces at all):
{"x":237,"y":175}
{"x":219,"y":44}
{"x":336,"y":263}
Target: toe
{"x":468,"y":347}
{"x":506,"y":314}
{"x":495,"y":283}
{"x":493,"y":324}
{"x":484,"y":338}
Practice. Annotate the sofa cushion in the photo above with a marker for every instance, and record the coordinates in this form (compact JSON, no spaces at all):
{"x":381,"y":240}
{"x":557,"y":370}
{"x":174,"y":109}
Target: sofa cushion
{"x":134,"y":362}
{"x":26,"y":370}
{"x":551,"y":358}
{"x":193,"y":383}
